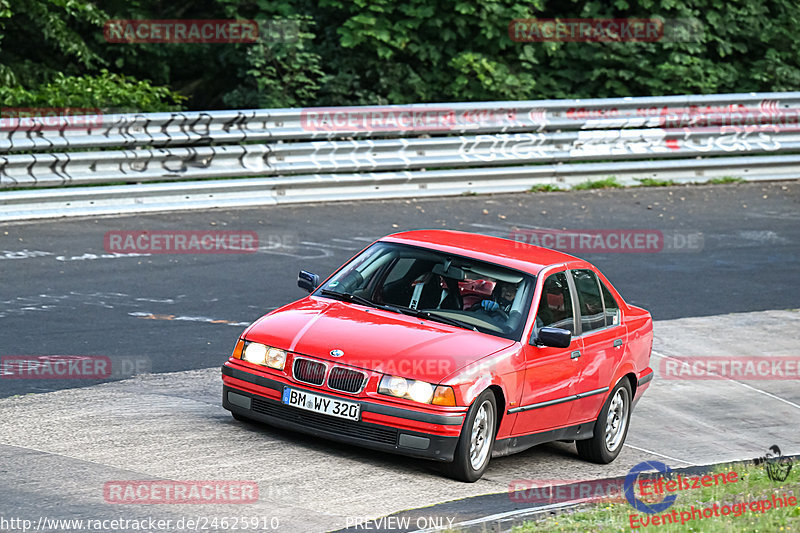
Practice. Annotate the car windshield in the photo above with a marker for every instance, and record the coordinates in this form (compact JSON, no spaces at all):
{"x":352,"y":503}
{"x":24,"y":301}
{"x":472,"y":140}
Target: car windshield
{"x":483,"y":296}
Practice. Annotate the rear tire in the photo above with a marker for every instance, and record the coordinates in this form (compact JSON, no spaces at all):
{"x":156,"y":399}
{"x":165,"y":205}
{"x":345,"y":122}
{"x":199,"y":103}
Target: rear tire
{"x":474,"y":448}
{"x":611,"y":427}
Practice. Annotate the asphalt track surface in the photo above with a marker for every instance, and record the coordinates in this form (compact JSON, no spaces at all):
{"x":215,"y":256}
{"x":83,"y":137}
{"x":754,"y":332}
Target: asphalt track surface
{"x":180,"y":314}
{"x":165,"y":312}
{"x":59,"y":450}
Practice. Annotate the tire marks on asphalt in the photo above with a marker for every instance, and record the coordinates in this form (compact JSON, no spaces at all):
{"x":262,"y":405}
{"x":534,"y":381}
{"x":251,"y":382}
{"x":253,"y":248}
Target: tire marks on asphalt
{"x":184,"y":318}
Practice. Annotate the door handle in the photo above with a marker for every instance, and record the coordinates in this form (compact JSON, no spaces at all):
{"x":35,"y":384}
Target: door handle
{"x":617,"y":343}
{"x":575,"y":354}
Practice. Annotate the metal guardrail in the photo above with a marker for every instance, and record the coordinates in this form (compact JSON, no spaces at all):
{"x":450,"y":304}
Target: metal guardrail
{"x":265,"y":125}
{"x":487,"y":150}
{"x":478,"y":146}
{"x":253,"y":192}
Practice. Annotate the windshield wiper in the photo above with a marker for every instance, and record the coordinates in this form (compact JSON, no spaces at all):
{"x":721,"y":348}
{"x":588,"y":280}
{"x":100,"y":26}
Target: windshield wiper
{"x":353,"y":298}
{"x":436,"y":317}
{"x":447,"y":320}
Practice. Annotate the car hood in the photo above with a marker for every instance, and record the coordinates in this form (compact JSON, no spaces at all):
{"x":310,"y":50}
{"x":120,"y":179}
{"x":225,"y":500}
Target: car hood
{"x":373,"y":339}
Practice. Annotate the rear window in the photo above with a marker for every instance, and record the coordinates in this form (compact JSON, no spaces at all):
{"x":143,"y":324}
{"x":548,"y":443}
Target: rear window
{"x":590,"y":301}
{"x":611,"y":306}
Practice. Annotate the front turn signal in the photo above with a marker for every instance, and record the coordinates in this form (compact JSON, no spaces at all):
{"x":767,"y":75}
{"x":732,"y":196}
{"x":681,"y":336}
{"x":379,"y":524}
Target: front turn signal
{"x":444,"y":395}
{"x":237,"y":350}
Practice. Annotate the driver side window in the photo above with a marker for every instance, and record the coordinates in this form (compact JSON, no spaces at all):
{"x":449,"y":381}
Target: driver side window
{"x":555,"y":306}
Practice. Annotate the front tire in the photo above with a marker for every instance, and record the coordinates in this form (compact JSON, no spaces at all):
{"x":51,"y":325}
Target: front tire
{"x":474,"y":448}
{"x":611,"y":427}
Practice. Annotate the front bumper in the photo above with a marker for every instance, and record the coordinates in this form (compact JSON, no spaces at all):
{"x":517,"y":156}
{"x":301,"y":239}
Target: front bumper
{"x":241,"y":395}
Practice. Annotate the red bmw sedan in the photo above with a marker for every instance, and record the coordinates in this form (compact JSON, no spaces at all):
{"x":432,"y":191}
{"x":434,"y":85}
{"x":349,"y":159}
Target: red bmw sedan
{"x":449,"y":346}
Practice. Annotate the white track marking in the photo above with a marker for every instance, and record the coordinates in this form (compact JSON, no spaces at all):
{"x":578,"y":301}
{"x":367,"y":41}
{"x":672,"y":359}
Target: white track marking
{"x":509,"y":514}
{"x":660,"y":454}
{"x":322,"y":245}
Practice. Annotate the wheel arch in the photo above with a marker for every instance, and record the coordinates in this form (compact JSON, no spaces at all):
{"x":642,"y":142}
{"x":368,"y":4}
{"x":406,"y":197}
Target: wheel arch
{"x":634,"y":382}
{"x":625,"y":371}
{"x":500,"y":401}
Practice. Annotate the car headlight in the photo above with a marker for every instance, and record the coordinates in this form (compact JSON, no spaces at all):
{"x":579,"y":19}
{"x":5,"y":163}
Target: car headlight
{"x":421,"y":392}
{"x":396,"y":386}
{"x":276,"y":358}
{"x":261,"y":354}
{"x":418,"y":391}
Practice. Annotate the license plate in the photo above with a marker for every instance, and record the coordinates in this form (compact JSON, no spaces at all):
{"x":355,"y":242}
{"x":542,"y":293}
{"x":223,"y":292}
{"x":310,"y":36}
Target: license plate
{"x":321,"y":404}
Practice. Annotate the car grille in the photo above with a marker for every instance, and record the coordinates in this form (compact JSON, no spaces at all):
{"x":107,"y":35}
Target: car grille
{"x":345,"y":380}
{"x":309,"y":371}
{"x":325,"y":422}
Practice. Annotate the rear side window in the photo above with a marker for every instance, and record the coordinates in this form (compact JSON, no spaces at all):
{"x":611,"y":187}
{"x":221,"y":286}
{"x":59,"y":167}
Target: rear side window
{"x":590,"y":301}
{"x":555,"y":307}
{"x":612,"y":308}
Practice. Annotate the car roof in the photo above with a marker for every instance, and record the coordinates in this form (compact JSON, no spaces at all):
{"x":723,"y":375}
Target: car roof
{"x":505,"y":252}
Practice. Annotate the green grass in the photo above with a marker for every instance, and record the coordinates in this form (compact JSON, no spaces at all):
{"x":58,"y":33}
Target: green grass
{"x":652,"y":182}
{"x":753,"y":484}
{"x":725,"y":179}
{"x":547,"y":187}
{"x":608,"y":183}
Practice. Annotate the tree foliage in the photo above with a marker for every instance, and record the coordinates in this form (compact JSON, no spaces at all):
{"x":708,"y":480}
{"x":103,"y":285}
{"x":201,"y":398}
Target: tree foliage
{"x":106,"y":91}
{"x":347,"y":52}
{"x":51,"y":56}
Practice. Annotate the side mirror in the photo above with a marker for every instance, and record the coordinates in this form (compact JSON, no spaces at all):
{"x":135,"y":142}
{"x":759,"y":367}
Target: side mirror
{"x":307,"y":280}
{"x":553,"y":337}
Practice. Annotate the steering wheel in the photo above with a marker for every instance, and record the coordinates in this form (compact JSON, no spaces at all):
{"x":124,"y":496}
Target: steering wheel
{"x":492,"y":315}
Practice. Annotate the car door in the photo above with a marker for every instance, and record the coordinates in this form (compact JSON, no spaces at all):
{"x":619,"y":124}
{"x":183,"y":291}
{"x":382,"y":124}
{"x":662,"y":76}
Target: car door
{"x":603,"y":339}
{"x":550,"y":373}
